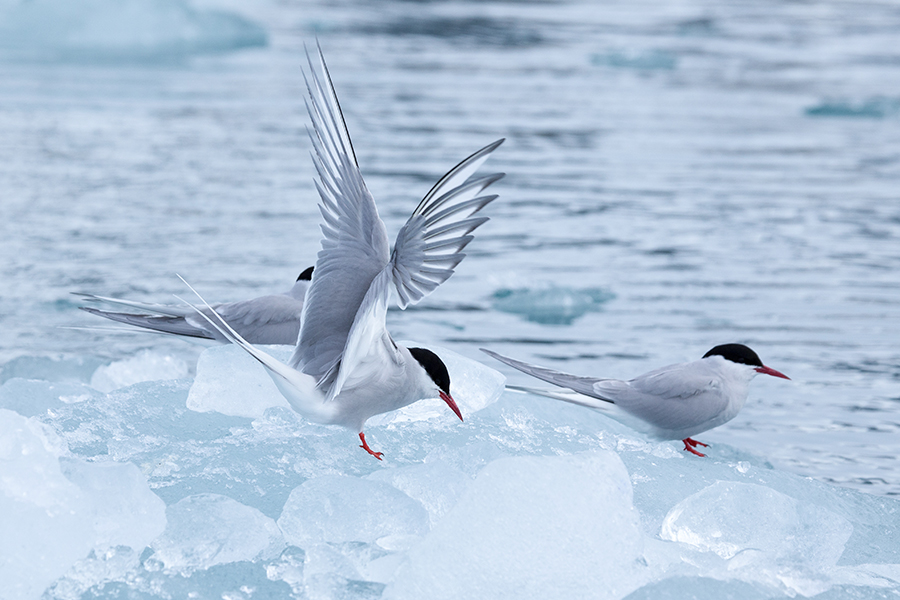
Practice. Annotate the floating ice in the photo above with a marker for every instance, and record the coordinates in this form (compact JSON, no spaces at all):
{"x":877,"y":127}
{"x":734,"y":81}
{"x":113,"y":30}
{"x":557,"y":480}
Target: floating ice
{"x":145,"y":366}
{"x":729,"y":517}
{"x":871,"y":108}
{"x":336,"y":508}
{"x":232,"y":382}
{"x":120,"y":30}
{"x":550,"y":306}
{"x":210,"y":529}
{"x":50,"y":369}
{"x":54,"y":511}
{"x":530,"y":527}
{"x":642,"y":61}
{"x":526,"y":498}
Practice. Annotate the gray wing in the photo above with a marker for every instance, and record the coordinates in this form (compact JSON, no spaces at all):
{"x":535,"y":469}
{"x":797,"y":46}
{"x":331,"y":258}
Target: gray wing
{"x":354,"y":245}
{"x":430,"y":244}
{"x":163,"y":324}
{"x":157,"y":309}
{"x":271,"y":319}
{"x":582,"y":385}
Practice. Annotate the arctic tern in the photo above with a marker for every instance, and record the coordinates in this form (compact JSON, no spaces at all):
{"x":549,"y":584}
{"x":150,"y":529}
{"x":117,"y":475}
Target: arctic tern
{"x":670,"y":403}
{"x":346,"y":367}
{"x":272,"y":319}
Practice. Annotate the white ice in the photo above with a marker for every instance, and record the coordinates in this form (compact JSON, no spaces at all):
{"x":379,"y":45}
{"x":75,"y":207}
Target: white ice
{"x":132,"y":493}
{"x":145,"y":366}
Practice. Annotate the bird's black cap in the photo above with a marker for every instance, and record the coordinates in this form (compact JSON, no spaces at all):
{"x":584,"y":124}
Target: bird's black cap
{"x":434,"y":366}
{"x":736,"y":353}
{"x":306,"y":275}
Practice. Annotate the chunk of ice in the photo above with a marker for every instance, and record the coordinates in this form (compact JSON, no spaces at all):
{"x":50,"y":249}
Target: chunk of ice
{"x":436,"y":485}
{"x":336,"y":508}
{"x":730,"y":517}
{"x":232,"y":382}
{"x":210,"y":529}
{"x":533,"y":527}
{"x":145,"y":366}
{"x":53,"y":512}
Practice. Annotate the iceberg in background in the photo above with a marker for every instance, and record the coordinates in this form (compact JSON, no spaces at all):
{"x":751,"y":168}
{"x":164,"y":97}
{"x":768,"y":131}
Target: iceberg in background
{"x":877,"y":107}
{"x":132,"y":494}
{"x":120,"y":31}
{"x":551,"y":305}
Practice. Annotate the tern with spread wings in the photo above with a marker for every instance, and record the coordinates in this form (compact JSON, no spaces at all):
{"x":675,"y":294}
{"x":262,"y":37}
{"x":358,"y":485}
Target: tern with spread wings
{"x":346,"y":367}
{"x":272,"y":319}
{"x":670,"y":403}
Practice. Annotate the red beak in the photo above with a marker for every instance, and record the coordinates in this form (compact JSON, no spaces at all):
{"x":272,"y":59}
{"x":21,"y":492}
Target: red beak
{"x":771,"y":371}
{"x":452,"y":404}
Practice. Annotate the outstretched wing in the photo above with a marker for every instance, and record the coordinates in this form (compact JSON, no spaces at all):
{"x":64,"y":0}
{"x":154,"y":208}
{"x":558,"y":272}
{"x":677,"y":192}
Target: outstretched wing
{"x":582,"y":385}
{"x":430,"y":244}
{"x":354,"y":245}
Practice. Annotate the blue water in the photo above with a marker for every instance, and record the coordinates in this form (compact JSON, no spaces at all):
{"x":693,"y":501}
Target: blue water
{"x":678,"y":176}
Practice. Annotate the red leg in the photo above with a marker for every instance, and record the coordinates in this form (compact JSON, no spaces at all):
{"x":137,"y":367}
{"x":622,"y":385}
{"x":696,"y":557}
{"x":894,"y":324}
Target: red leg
{"x":365,"y":447}
{"x":690,"y":444}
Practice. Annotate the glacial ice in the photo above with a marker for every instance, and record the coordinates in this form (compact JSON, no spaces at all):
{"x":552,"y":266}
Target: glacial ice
{"x":54,"y":509}
{"x":120,"y":30}
{"x":145,"y":366}
{"x":210,"y":529}
{"x":552,"y":305}
{"x":229,"y":381}
{"x":132,"y":494}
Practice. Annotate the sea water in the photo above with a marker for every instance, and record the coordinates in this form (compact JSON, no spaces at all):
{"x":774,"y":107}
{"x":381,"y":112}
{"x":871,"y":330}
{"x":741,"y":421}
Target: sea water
{"x":678,"y":176}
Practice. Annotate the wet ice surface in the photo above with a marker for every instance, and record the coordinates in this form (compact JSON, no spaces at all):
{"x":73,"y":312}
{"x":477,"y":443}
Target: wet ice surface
{"x":131,"y":490}
{"x":678,"y":177}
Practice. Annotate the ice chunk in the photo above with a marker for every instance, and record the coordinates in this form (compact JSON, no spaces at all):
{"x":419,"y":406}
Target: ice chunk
{"x":872,"y":108}
{"x":120,"y":30}
{"x":649,"y":60}
{"x":533,"y":527}
{"x":336,"y":508}
{"x":551,"y":306}
{"x":33,"y":397}
{"x":436,"y":485}
{"x":771,"y":536}
{"x":472,"y":384}
{"x":232,"y":382}
{"x":209,"y":529}
{"x":122,"y":509}
{"x":53,"y":512}
{"x":145,"y":366}
{"x":50,"y":369}
{"x":729,"y":517}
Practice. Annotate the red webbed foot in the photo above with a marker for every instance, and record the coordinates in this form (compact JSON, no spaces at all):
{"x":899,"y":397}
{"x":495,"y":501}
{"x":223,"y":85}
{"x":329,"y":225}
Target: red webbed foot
{"x":365,"y":446}
{"x":690,"y":444}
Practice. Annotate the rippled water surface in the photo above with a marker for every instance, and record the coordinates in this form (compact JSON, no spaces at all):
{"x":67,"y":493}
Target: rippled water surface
{"x":678,"y":176}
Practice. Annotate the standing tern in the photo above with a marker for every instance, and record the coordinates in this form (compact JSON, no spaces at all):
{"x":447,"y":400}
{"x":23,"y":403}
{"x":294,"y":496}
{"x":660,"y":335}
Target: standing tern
{"x":273,"y":319}
{"x":671,"y":403}
{"x":346,"y":367}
